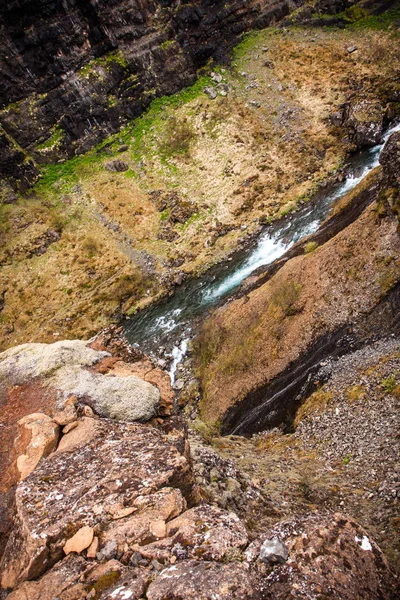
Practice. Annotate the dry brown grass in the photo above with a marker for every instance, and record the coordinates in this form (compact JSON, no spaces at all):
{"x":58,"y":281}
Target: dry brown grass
{"x":266,"y":331}
{"x":237,"y":163}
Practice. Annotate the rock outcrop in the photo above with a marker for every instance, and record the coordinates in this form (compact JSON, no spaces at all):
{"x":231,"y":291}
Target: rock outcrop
{"x":194,"y":580}
{"x":72,"y":74}
{"x":64,"y":367}
{"x":364,"y":122}
{"x":322,"y":544}
{"x":114,"y":510}
{"x":57,"y":383}
{"x":38,"y":437}
{"x":113,"y":476}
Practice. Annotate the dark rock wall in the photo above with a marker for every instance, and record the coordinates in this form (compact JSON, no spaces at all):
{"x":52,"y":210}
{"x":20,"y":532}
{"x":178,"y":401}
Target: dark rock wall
{"x":74,"y":71}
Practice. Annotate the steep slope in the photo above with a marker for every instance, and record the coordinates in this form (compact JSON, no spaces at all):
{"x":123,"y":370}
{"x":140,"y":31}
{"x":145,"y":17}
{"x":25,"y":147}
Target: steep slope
{"x":255,"y":353}
{"x":91,"y":244}
{"x":72,"y":73}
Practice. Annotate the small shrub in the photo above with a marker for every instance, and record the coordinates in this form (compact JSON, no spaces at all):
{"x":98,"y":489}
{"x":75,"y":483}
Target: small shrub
{"x":306,"y":488}
{"x":310,"y":247}
{"x":164,"y":215}
{"x":178,"y":137}
{"x":285,"y":297}
{"x":317,"y":403}
{"x":90,"y":246}
{"x":207,"y":432}
{"x":128,"y":285}
{"x":355,"y":13}
{"x":389,"y":384}
{"x":346,"y":459}
{"x":355,"y":393}
{"x":209,"y":342}
{"x":387,"y":280}
{"x":57,"y":220}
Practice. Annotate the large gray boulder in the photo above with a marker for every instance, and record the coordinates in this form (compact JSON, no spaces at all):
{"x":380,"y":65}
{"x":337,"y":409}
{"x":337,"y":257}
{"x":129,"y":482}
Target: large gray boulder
{"x":65,"y":367}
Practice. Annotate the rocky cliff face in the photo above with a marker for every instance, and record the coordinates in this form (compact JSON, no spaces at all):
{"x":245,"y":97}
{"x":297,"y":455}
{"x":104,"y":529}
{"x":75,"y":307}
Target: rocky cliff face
{"x":112,"y":509}
{"x":73,"y":72}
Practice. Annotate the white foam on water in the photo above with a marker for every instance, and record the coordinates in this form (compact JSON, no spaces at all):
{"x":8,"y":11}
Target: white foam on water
{"x":270,"y":248}
{"x":178,"y":354}
{"x":267,"y":250}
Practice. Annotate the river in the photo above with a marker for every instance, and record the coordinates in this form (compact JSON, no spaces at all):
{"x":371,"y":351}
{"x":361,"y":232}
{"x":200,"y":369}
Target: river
{"x":168,"y":325}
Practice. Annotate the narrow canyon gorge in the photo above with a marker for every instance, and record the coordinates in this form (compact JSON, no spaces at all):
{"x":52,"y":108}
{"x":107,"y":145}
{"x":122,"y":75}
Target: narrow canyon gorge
{"x":199,"y":300}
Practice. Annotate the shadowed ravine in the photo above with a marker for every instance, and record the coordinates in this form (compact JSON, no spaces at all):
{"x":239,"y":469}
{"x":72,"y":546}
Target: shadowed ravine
{"x":276,"y":403}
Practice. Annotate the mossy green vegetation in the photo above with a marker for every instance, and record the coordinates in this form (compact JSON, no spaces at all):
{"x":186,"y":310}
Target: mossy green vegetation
{"x":310,"y":247}
{"x":315,"y":404}
{"x":169,"y":44}
{"x":105,"y":62}
{"x":359,"y":17}
{"x":156,"y":132}
{"x":54,"y":140}
{"x":285,"y":297}
{"x":250,"y":41}
{"x":390,"y":383}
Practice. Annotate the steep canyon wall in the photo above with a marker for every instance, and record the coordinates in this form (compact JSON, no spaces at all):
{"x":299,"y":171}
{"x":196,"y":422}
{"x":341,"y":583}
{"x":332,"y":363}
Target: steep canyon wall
{"x":74,"y":71}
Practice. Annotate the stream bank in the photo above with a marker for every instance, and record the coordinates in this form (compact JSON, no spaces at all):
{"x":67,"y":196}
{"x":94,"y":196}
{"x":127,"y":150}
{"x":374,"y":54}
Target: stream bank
{"x":165,"y":328}
{"x":275,"y":332}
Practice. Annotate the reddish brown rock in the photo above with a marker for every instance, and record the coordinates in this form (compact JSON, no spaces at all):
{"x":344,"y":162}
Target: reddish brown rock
{"x":195,"y":580}
{"x":84,"y":431}
{"x":73,"y":579}
{"x":130,"y":587}
{"x":80,"y":541}
{"x":37,"y":438}
{"x":56,"y":583}
{"x":16,"y":401}
{"x":72,"y":489}
{"x":68,"y":414}
{"x":203,"y":532}
{"x":137,"y":529}
{"x":330,"y":556}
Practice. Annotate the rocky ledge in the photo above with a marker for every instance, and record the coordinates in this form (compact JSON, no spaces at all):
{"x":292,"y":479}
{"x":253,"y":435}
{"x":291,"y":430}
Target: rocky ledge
{"x":109,"y":508}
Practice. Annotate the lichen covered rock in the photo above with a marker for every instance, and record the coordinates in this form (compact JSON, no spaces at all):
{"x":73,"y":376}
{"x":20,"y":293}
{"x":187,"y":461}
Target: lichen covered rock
{"x":330,"y":556}
{"x":364,"y":120}
{"x":64,"y":368}
{"x":74,"y":578}
{"x":89,"y":486}
{"x":195,"y":580}
{"x":203,"y":532}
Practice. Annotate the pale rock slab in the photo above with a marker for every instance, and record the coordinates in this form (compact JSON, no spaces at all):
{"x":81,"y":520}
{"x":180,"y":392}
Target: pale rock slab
{"x":37,"y":438}
{"x":80,"y":541}
{"x":65,"y":368}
